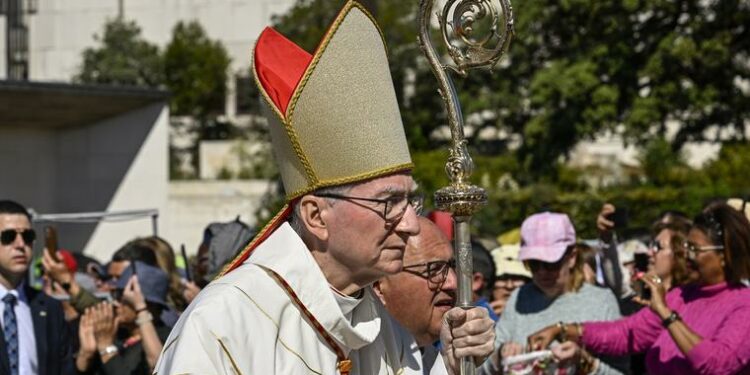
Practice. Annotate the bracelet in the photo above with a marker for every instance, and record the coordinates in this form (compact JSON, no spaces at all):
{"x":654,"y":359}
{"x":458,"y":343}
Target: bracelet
{"x":111,"y":349}
{"x":579,"y":331}
{"x":586,"y":363}
{"x":144,"y":308}
{"x":673,"y":317}
{"x":144,"y":319}
{"x":563,"y":335}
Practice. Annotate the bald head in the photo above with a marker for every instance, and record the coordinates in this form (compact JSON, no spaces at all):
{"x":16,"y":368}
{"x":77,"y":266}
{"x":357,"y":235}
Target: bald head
{"x":430,"y":237}
{"x":413,"y":296}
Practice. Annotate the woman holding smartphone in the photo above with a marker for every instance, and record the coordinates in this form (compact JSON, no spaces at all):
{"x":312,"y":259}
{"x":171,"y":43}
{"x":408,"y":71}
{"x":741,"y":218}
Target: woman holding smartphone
{"x":699,"y":328}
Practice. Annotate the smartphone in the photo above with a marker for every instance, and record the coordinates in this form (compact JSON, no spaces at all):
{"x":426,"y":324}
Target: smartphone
{"x":641,"y":262}
{"x":641,"y":290}
{"x":133,"y":268}
{"x":187,"y":264}
{"x":50,"y":241}
{"x":619,"y":218}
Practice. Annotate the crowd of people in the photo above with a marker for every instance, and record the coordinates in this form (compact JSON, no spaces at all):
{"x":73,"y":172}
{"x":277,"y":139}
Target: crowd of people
{"x":99,"y":318}
{"x":684,"y":309}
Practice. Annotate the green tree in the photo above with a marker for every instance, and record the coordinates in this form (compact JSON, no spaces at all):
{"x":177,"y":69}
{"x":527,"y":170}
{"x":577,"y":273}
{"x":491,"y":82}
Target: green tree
{"x":122,"y":57}
{"x":196,"y":71}
{"x":575,"y":68}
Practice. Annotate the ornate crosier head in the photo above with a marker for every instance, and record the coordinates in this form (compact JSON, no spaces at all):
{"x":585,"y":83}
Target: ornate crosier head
{"x":476,"y":32}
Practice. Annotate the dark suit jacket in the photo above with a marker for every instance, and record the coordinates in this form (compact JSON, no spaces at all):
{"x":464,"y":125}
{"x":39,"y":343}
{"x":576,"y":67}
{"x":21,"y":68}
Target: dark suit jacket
{"x":53,"y":344}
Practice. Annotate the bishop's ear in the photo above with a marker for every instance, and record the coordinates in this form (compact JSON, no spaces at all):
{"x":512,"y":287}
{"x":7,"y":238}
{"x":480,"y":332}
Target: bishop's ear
{"x":312,"y":216}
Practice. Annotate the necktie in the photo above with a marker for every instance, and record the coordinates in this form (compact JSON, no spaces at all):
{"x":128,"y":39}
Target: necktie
{"x":10,"y":331}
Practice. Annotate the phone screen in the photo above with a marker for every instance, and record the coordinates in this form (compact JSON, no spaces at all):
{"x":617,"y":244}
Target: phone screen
{"x":641,"y":262}
{"x":619,"y":218}
{"x":50,"y":241}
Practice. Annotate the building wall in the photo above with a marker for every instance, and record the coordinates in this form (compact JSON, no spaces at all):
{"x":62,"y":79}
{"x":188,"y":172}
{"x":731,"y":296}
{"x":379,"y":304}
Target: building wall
{"x":28,"y":157}
{"x":116,"y":164}
{"x":62,"y":29}
{"x":192,"y":205}
{"x":128,"y":160}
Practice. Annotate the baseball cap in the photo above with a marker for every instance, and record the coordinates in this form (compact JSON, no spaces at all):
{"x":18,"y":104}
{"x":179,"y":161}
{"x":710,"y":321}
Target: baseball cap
{"x":546,"y":236}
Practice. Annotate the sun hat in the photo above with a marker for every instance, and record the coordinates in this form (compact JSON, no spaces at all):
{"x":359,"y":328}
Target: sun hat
{"x":546,"y":237}
{"x":153,"y":281}
{"x":507,"y":262}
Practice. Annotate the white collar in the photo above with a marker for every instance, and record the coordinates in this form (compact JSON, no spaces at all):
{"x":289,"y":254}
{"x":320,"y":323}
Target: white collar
{"x":18,"y":291}
{"x":284,"y":253}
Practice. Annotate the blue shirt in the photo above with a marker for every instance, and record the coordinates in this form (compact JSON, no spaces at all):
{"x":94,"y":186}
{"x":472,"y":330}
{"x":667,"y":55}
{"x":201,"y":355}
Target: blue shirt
{"x":483,"y":302}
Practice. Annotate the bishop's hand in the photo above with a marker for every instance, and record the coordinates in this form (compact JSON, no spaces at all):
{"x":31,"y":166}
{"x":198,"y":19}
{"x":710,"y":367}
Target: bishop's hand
{"x":466,"y":333}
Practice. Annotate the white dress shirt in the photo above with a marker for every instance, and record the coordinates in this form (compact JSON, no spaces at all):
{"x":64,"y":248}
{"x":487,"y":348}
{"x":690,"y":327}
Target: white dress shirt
{"x":27,"y":358}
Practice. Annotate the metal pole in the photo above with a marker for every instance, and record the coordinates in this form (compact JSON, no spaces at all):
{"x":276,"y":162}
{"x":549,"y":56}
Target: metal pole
{"x":461,"y":198}
{"x":155,"y":224}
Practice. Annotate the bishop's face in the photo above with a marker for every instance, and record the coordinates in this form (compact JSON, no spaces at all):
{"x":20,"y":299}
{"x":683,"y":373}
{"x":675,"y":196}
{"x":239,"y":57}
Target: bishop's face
{"x":365,"y":240}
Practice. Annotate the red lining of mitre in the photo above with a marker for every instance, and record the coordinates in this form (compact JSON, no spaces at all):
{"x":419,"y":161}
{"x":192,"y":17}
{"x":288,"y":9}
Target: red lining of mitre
{"x":279,"y":65}
{"x":266,"y":232}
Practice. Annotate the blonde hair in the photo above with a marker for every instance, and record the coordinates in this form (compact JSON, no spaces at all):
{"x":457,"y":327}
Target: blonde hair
{"x":577,"y":276}
{"x":166,"y":260}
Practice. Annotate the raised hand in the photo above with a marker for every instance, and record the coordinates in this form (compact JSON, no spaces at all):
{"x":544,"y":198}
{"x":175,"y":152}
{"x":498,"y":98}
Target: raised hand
{"x":567,"y":353}
{"x":55,"y":269}
{"x":86,"y":333}
{"x":602,"y":224}
{"x":132,"y":294}
{"x":541,"y":339}
{"x":105,"y":325}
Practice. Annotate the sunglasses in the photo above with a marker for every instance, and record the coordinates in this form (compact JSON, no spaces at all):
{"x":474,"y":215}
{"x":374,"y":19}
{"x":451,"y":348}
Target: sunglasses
{"x":535,"y":265}
{"x":8,"y":236}
{"x":693,"y":248}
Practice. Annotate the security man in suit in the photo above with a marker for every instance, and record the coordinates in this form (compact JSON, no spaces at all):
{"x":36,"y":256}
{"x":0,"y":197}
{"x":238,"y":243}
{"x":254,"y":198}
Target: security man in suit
{"x":35,"y":336}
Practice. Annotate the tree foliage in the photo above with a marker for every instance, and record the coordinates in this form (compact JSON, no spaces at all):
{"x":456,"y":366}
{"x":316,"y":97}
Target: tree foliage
{"x":192,"y":66}
{"x":576,"y":69}
{"x":123,"y":57}
{"x":195,"y":71}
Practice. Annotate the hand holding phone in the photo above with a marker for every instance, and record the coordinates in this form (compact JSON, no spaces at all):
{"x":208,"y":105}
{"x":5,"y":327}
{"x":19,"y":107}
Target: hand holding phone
{"x":188,"y":277}
{"x":50,"y":241}
{"x":619,"y":218}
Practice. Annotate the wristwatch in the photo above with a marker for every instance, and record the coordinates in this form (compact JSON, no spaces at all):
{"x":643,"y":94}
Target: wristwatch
{"x":673,"y":317}
{"x":111,"y":349}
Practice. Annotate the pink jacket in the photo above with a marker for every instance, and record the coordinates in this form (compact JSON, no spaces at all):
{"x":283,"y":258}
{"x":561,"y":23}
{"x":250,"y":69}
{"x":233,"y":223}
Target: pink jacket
{"x":720,"y":314}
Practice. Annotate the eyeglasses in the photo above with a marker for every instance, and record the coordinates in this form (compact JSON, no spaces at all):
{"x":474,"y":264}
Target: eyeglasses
{"x":436,"y":271}
{"x":693,"y":248}
{"x":656,"y":246}
{"x":535,"y":265}
{"x":394,"y":206}
{"x":8,"y":236}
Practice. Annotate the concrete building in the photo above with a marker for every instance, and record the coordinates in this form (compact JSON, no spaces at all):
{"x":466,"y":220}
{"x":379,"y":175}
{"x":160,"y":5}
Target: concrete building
{"x":89,"y":149}
{"x":70,"y":148}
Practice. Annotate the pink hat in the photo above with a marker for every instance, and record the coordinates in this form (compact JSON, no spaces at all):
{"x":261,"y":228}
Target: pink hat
{"x":546,"y":237}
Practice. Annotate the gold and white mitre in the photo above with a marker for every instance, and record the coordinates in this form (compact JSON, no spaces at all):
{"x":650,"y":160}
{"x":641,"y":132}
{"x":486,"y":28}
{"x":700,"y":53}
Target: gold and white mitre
{"x":333,"y":115}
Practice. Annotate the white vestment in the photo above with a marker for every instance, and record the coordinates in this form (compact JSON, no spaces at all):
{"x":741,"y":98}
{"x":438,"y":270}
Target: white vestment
{"x":246,"y":323}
